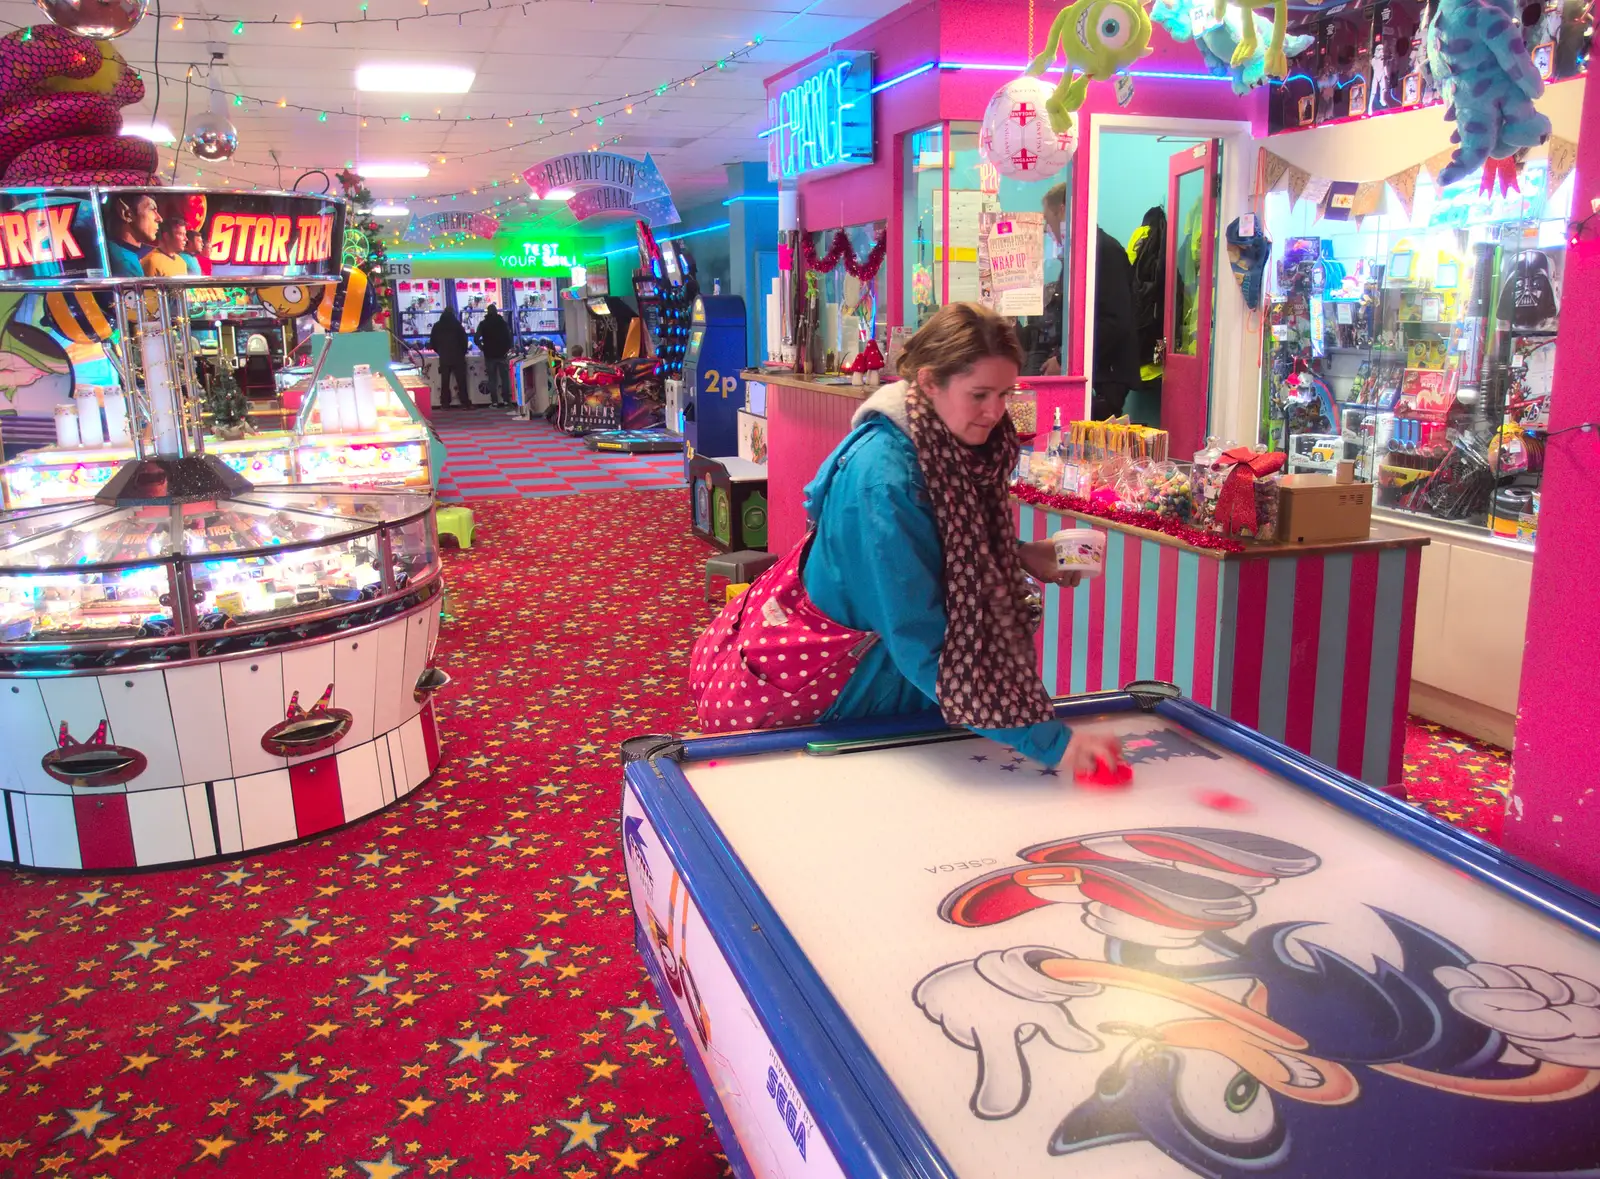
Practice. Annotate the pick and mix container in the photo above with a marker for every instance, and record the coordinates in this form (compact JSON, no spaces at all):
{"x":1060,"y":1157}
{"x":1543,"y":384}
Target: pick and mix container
{"x":1080,"y":550}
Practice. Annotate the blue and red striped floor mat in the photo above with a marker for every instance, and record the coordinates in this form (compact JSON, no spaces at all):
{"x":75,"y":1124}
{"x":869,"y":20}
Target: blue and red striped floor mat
{"x":490,"y":454}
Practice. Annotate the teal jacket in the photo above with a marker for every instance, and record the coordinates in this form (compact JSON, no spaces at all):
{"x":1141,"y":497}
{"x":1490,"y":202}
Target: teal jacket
{"x":876,"y":564}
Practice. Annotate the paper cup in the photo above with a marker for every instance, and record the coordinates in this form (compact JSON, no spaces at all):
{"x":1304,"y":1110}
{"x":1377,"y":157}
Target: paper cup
{"x":1080,"y":550}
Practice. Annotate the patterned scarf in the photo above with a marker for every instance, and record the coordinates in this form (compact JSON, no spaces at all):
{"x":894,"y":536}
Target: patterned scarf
{"x":988,"y":670}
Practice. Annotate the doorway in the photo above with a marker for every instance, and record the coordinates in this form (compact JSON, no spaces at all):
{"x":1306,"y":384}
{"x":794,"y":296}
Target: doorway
{"x":1149,"y":247}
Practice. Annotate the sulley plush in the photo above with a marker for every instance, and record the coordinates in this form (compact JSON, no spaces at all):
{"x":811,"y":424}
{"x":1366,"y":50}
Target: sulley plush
{"x":1488,"y":81}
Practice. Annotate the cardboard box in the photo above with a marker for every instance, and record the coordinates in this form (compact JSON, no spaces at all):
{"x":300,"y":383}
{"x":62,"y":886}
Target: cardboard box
{"x":752,"y":437}
{"x":1314,"y":509}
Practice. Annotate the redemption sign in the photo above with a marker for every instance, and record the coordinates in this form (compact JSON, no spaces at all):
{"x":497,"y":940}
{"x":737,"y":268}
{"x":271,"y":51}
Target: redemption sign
{"x":823,"y":122}
{"x":606,"y":183}
{"x":119,"y":236}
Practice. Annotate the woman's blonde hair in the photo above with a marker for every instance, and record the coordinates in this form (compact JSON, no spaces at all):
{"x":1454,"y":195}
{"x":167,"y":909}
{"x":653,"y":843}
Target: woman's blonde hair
{"x":956,"y":338}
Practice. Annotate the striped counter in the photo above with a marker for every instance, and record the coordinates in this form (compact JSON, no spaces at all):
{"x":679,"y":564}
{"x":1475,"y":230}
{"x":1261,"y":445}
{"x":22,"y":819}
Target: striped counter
{"x":1308,"y":644}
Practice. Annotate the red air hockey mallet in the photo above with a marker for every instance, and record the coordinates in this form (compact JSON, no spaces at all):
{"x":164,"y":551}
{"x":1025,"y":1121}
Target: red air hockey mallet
{"x":1106,"y":775}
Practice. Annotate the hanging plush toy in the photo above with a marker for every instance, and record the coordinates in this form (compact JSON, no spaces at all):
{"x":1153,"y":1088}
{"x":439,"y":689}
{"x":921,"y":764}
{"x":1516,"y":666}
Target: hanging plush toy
{"x":1219,"y":38}
{"x":1488,"y":80}
{"x":1096,"y":39}
{"x":1275,"y":63}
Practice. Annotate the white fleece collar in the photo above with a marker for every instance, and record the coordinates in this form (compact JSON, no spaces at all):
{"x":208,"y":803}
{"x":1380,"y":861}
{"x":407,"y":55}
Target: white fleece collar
{"x":888,"y":402}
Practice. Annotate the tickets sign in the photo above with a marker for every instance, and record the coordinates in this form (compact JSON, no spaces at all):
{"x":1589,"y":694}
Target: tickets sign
{"x":120,"y":236}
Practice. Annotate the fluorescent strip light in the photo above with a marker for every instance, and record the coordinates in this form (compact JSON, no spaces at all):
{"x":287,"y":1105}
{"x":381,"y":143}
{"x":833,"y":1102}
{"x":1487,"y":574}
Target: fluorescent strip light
{"x":751,"y":197}
{"x":392,"y":171}
{"x":154,"y":132}
{"x":390,"y":211}
{"x":414,"y":79}
{"x":720,"y":225}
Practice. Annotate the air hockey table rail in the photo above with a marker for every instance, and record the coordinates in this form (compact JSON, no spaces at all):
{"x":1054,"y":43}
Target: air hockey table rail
{"x":868,"y":977}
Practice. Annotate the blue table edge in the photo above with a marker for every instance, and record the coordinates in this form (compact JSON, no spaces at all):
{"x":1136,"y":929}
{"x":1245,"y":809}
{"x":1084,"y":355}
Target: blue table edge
{"x":734,"y":907}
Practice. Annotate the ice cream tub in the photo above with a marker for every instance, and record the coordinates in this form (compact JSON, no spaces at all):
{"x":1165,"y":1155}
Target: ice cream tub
{"x":1080,"y":550}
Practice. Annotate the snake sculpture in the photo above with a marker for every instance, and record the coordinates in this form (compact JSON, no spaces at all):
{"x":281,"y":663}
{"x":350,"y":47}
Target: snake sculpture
{"x":61,"y":100}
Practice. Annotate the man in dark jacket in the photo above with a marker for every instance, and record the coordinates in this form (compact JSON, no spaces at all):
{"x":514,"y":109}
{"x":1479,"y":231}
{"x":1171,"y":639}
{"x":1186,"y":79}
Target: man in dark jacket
{"x":448,"y":341}
{"x":494,"y":341}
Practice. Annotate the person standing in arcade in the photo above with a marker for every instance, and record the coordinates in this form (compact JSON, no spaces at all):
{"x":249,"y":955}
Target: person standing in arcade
{"x":448,"y":341}
{"x":910,"y":591}
{"x":494,"y":341}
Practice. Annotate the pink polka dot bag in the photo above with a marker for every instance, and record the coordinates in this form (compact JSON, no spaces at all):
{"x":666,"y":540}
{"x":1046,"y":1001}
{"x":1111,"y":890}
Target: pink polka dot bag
{"x":772,"y":660}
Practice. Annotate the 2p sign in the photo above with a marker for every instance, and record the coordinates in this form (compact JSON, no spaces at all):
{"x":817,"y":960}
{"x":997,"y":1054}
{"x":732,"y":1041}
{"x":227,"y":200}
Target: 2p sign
{"x":823,"y":122}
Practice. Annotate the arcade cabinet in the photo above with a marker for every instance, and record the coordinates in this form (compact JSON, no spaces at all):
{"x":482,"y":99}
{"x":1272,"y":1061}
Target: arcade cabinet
{"x":713,"y":390}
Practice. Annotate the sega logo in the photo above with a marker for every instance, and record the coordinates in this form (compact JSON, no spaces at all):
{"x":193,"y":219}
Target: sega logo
{"x":789,"y":1109}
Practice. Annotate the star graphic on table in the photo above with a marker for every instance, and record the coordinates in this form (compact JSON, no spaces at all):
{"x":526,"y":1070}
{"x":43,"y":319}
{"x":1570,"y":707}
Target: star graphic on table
{"x":384,"y":1168}
{"x":472,"y":1047}
{"x":582,"y":1132}
{"x":85,"y":1121}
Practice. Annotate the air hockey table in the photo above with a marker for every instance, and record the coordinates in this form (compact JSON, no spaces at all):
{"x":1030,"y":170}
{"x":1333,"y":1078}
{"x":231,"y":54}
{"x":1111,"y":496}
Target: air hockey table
{"x":893,"y":950}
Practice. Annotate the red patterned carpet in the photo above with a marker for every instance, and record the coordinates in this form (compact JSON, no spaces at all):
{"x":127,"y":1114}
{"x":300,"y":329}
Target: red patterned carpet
{"x":449,"y":988}
{"x":1462,"y":780}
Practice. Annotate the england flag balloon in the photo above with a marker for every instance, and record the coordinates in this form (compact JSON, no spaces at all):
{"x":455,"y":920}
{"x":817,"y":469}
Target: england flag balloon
{"x":1017,"y":138}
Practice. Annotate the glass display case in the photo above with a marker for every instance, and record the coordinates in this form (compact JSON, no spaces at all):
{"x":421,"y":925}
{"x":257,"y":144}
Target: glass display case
{"x":1420,"y":346}
{"x":950,"y":195}
{"x":90,"y":585}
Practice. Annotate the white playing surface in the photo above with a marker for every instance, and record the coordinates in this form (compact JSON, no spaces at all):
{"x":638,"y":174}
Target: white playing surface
{"x":856,"y":853}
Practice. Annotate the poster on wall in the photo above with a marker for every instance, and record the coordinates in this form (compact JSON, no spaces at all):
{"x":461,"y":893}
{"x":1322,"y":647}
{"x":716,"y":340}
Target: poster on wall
{"x":1011,"y":262}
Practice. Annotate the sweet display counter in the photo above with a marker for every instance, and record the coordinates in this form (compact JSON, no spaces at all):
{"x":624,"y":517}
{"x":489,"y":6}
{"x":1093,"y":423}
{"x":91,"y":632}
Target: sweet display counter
{"x":186,"y":680}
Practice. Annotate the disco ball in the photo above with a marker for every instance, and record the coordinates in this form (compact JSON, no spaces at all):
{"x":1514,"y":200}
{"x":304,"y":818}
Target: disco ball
{"x":212,"y":138}
{"x":100,"y":19}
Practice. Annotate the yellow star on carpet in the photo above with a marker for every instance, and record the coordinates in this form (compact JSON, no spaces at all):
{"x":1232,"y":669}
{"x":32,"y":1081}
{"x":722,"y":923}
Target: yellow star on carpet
{"x":587,"y":881}
{"x":142,"y":949}
{"x":627,"y":1160}
{"x":604,"y":1071}
{"x":137,"y":1064}
{"x":91,"y":898}
{"x":212,"y":1148}
{"x":537,"y":956}
{"x":316,"y":1105}
{"x":416,"y":1106}
{"x":379,"y":982}
{"x":25,"y":1042}
{"x":236,"y":876}
{"x":286,"y":1082}
{"x":384,"y":1168}
{"x":85,"y":1121}
{"x":371,"y":859}
{"x":449,"y":901}
{"x":472,"y":1048}
{"x":111,"y":1145}
{"x":300,"y":924}
{"x":209,"y":1010}
{"x":642,"y":1016}
{"x":582,"y":1132}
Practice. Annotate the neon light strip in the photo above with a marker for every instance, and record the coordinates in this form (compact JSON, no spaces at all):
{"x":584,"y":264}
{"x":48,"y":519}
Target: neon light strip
{"x":754,"y":197}
{"x":1000,"y":67}
{"x":674,"y":238}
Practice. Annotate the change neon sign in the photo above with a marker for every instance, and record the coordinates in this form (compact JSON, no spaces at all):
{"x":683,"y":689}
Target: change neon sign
{"x":824,"y":121}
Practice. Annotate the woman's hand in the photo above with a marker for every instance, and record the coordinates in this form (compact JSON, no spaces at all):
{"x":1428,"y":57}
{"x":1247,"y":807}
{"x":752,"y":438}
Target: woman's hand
{"x":1088,"y":750}
{"x":1039,"y":559}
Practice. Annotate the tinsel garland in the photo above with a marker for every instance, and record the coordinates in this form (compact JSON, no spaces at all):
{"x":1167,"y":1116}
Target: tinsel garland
{"x":1150,"y":521}
{"x":863,"y":269}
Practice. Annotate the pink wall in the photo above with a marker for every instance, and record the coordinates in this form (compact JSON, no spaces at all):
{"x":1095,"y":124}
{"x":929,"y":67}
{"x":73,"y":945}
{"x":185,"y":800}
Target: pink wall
{"x":1554,"y":813}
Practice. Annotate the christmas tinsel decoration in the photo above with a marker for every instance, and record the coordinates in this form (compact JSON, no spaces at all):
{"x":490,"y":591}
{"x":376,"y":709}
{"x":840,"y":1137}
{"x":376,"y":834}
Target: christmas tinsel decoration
{"x":1149,"y":521}
{"x":839,"y":250}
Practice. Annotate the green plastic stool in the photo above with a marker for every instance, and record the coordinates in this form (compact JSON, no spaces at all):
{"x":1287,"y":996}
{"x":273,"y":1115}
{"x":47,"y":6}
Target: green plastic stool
{"x":456,"y":522}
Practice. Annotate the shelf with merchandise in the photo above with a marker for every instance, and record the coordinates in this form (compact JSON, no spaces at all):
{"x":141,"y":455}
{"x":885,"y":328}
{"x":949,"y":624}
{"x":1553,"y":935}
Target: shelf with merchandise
{"x":1439,"y":366}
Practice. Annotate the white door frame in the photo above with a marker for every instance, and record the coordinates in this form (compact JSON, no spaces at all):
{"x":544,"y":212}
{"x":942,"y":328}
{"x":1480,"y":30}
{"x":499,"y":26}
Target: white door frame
{"x":1235,"y":342}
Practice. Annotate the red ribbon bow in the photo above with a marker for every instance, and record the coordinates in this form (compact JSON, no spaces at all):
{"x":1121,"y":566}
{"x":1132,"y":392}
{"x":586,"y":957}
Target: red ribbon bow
{"x":1236,"y":505}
